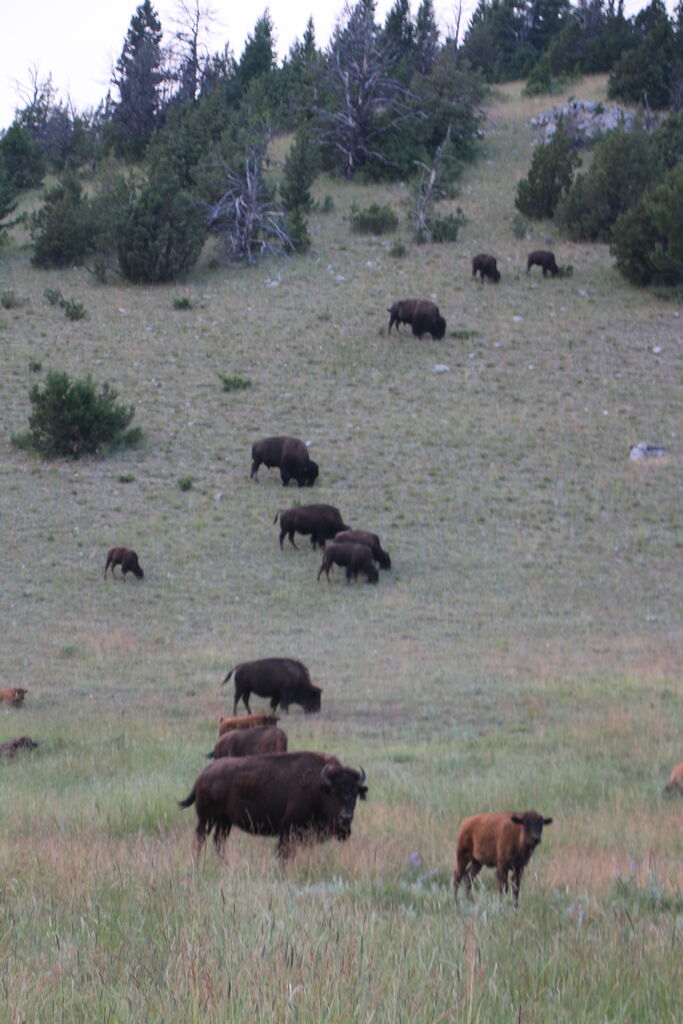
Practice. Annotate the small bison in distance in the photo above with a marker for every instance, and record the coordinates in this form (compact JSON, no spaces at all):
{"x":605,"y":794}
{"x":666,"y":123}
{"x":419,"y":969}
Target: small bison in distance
{"x":290,"y":455}
{"x":298,"y":796}
{"x":544,"y":259}
{"x":263,"y":739}
{"x":675,"y":783}
{"x":371,"y":540}
{"x":11,"y":747}
{"x":322,"y":522}
{"x":12,"y":697}
{"x":486,"y":266}
{"x":354,"y":557}
{"x":421,"y":314}
{"x":285,"y":680}
{"x":501,"y":841}
{"x":226,"y":724}
{"x":127,"y":559}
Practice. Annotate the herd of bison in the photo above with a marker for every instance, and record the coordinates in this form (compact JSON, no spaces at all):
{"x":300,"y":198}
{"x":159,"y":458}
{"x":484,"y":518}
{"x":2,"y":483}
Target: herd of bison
{"x":253,"y":782}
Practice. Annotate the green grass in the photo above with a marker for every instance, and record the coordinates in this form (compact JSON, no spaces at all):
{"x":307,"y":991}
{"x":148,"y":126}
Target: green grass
{"x":524,"y":651}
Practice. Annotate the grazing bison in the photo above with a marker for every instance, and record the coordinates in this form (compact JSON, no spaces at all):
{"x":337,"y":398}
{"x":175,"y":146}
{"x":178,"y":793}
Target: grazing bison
{"x":486,"y":266}
{"x":10,"y":747}
{"x":284,"y":680}
{"x":290,"y":455}
{"x":501,"y":841}
{"x":422,"y":314}
{"x":127,"y":559}
{"x":544,"y":259}
{"x":13,"y":697}
{"x":322,"y":522}
{"x":355,"y":557}
{"x":226,"y":724}
{"x":371,"y":540}
{"x":263,"y":739}
{"x":675,"y":783}
{"x":297,"y":796}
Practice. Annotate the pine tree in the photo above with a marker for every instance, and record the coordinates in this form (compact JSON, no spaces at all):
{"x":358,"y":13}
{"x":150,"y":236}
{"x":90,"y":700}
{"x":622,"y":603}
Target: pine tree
{"x":139,"y":78}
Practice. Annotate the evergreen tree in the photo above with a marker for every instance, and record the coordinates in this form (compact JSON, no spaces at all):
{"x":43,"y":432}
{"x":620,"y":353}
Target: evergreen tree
{"x":139,"y":78}
{"x":258,"y":56}
{"x":22,"y":159}
{"x":550,"y":175}
{"x":426,"y":37}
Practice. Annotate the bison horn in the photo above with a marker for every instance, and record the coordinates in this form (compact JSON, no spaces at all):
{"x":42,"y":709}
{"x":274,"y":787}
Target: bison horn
{"x":362,"y":776}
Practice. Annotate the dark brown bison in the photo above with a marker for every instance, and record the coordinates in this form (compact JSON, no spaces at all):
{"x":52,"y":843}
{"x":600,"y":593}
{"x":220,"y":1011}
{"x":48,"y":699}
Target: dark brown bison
{"x":285,"y":680}
{"x":421,"y":314}
{"x":263,"y":739}
{"x":544,"y":259}
{"x":354,"y":557}
{"x":320,"y":521}
{"x":228,"y":724}
{"x":501,"y":841}
{"x":127,"y":559}
{"x":13,"y":697}
{"x":486,"y":266}
{"x":371,"y":540}
{"x":290,"y":455}
{"x":298,"y":796}
{"x":11,"y":747}
{"x":675,"y":783}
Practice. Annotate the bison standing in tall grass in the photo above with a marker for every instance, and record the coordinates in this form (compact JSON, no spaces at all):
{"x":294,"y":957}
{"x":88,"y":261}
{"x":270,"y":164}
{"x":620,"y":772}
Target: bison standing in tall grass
{"x":485,"y":266}
{"x":421,"y":314}
{"x":501,"y":841}
{"x":285,"y":680}
{"x":544,"y":259}
{"x":127,"y":559}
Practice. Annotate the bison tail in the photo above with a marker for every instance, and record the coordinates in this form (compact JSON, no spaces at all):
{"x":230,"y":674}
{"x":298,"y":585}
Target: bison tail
{"x":188,"y":801}
{"x":227,"y":677}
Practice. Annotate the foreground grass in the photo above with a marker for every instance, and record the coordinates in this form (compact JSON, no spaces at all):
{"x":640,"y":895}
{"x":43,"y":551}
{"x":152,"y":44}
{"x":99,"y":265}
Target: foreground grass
{"x":524,"y":651}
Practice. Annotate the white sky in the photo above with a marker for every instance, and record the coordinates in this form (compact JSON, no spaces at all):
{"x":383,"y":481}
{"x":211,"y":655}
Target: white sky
{"x":78,"y":41}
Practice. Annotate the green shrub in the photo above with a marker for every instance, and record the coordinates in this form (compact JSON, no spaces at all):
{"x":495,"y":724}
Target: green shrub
{"x":73,"y":418}
{"x":327,"y":205}
{"x":398,"y":250}
{"x":8,"y":299}
{"x":74,"y":310}
{"x":60,"y":229}
{"x":550,"y":175}
{"x":186,"y":483}
{"x":35,"y":365}
{"x":182,"y":302}
{"x":648,"y":238}
{"x":445,"y":229}
{"x":234,"y":383}
{"x":374,"y":220}
{"x":297,"y":229}
{"x":53,"y":296}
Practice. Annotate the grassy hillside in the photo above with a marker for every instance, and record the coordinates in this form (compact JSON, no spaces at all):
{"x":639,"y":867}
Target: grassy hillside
{"x":525,"y":650}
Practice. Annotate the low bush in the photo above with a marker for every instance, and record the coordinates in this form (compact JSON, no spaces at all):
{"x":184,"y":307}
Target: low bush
{"x":374,"y":220}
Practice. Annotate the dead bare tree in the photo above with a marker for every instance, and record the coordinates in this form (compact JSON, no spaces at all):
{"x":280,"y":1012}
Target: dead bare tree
{"x":190,"y":55}
{"x":249,"y":222}
{"x":428,"y":191}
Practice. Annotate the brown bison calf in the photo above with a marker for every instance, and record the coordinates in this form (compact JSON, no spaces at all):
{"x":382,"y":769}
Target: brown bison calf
{"x":675,"y":783}
{"x":290,"y":455}
{"x":421,"y":314}
{"x":322,"y":522}
{"x":371,"y":540}
{"x":264,"y":739}
{"x":127,"y":559}
{"x":486,"y":266}
{"x":12,"y":697}
{"x":355,"y":557}
{"x":544,"y":259}
{"x":229,"y":724}
{"x":501,"y":841}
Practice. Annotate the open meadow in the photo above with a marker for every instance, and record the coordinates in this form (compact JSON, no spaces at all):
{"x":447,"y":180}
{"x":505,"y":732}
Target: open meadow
{"x":525,"y":651}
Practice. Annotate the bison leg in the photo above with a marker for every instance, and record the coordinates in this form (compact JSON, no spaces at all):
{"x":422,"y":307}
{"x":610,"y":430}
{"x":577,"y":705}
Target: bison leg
{"x":468,"y":871}
{"x":199,"y":837}
{"x":516,"y":882}
{"x":254,"y":468}
{"x":284,"y":476}
{"x":502,"y":875}
{"x":220,"y":834}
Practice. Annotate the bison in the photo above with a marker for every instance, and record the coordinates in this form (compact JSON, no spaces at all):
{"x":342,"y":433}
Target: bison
{"x":290,"y":455}
{"x":422,"y":314}
{"x":322,"y":522}
{"x":263,"y":739}
{"x":10,"y":747}
{"x":127,"y":559}
{"x":297,"y":796}
{"x":13,"y":697}
{"x":501,"y":841}
{"x":355,"y":557}
{"x":544,"y":259}
{"x":285,"y":680}
{"x":675,"y":783}
{"x":226,"y":724}
{"x":486,"y":266}
{"x":371,"y":540}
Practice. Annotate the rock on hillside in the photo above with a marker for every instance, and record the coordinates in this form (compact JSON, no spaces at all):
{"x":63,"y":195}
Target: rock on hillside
{"x":586,"y":120}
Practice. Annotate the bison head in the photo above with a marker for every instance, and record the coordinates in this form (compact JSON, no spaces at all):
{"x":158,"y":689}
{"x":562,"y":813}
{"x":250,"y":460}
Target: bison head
{"x":342,"y":786}
{"x":532,"y":823}
{"x":308,"y":474}
{"x":311,"y":700}
{"x":438,"y":328}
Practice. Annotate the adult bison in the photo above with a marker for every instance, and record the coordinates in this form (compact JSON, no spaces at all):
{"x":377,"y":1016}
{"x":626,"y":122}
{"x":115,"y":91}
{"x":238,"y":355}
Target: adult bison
{"x":354,"y":558}
{"x":229,"y":724}
{"x":501,"y":841}
{"x":285,"y":680}
{"x":264,"y":739}
{"x":320,"y":521}
{"x":373,"y":542}
{"x":421,"y":314}
{"x":485,"y":266}
{"x":289,"y":454}
{"x":127,"y":559}
{"x":298,"y":796}
{"x":544,"y":259}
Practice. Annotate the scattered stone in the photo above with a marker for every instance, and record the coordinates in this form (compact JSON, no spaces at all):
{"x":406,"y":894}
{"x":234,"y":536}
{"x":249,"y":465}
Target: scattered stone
{"x":643,"y":450}
{"x":440,"y":368}
{"x":586,"y":121}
